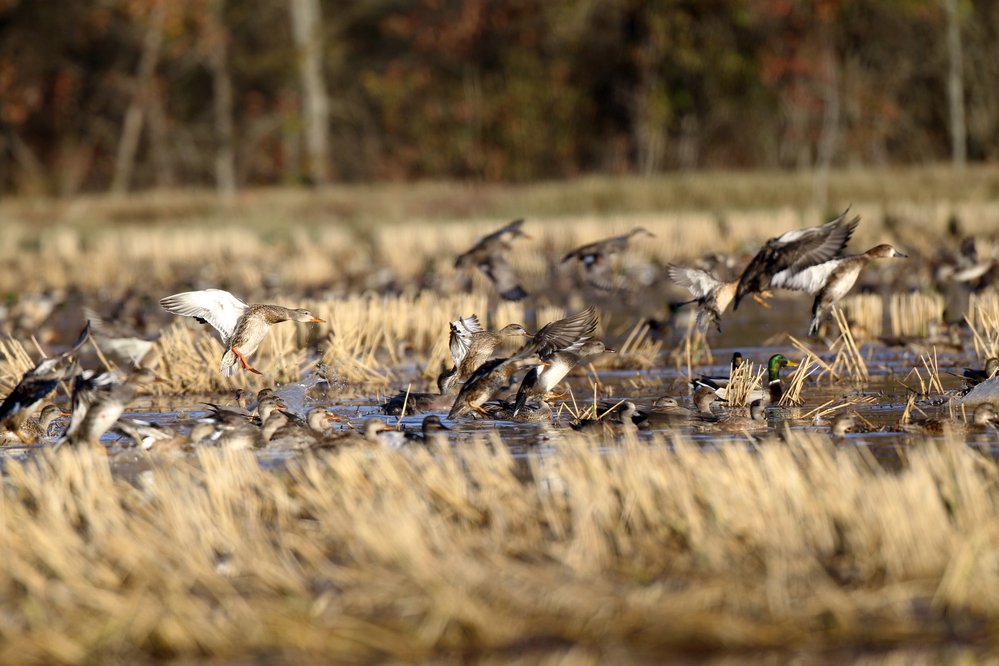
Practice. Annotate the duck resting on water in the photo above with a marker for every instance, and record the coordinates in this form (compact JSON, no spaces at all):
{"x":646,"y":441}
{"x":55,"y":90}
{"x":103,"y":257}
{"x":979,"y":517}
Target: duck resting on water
{"x":240,"y":326}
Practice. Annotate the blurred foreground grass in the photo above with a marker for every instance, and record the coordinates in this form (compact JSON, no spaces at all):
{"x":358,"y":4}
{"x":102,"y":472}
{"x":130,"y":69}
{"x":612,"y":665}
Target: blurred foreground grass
{"x":646,"y":551}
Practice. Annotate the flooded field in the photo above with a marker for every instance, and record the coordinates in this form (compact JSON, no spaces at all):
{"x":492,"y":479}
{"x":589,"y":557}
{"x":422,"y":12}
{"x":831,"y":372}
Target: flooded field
{"x":633,"y":541}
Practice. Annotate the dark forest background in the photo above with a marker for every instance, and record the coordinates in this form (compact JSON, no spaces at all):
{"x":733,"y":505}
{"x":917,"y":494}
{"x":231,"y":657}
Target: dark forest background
{"x":124,"y":95}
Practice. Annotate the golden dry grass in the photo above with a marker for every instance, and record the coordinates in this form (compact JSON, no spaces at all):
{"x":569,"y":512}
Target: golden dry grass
{"x":649,"y":551}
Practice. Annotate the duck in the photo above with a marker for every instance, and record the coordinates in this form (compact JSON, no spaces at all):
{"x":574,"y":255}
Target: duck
{"x":34,"y":428}
{"x":432,"y":431}
{"x":594,"y":256}
{"x":975,"y":376}
{"x":842,"y":424}
{"x":492,"y":377}
{"x":472,"y":345}
{"x":667,"y":410}
{"x":626,"y":422}
{"x":830,"y":280}
{"x":36,"y":385}
{"x":720,"y":383}
{"x":529,"y":412}
{"x":552,"y":369}
{"x":982,"y":419}
{"x":240,"y":326}
{"x":290,"y":431}
{"x":98,"y":401}
{"x":374,"y":432}
{"x":794,"y":251}
{"x":489,"y":255}
{"x":712,"y":295}
{"x":736,"y":423}
{"x":496,"y":375}
{"x":775,"y":388}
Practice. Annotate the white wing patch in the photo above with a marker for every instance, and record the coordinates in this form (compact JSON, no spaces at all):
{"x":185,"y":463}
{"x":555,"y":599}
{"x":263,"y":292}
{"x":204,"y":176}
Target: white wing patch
{"x":810,"y":279}
{"x":217,"y":307}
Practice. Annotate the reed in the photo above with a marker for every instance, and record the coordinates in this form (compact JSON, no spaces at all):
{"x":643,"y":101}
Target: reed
{"x":865,"y":312}
{"x":652,"y":551}
{"x":912,"y":315}
{"x":796,"y":382}
{"x":638,"y":350}
{"x":849,"y":361}
{"x":15,"y":362}
{"x":983,"y":320}
{"x":743,"y":381}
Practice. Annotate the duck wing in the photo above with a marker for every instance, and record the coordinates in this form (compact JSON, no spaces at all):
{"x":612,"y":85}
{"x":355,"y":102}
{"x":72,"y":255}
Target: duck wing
{"x":810,"y":279}
{"x":699,"y":283}
{"x":799,"y":249}
{"x":209,"y":306}
{"x":462,"y":329}
{"x":566,"y":334}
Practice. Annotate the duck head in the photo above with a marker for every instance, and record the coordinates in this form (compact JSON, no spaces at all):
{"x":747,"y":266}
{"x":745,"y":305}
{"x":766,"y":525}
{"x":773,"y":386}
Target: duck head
{"x":303,"y":315}
{"x":776,"y":362}
{"x":885,"y":251}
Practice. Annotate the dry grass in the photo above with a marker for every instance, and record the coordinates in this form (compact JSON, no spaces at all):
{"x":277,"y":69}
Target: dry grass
{"x":912,"y":314}
{"x":653,"y":550}
{"x":983,"y":320}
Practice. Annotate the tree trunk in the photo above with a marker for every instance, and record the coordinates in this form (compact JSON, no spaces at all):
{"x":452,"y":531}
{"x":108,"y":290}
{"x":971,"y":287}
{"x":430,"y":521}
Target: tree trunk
{"x":306,"y":27}
{"x":225,"y":151}
{"x":128,"y":144}
{"x":955,"y":86}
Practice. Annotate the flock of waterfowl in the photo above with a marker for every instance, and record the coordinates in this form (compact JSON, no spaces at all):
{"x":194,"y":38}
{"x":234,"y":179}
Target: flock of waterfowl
{"x":482,"y":381}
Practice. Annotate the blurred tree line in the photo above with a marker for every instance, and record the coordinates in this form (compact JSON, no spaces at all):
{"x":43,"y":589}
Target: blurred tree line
{"x":120,"y":95}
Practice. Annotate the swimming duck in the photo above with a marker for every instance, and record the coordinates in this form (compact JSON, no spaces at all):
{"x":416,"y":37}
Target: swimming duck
{"x":626,"y":421}
{"x":975,"y":376}
{"x":472,"y":345}
{"x":36,"y":385}
{"x":720,"y":383}
{"x":552,"y":369}
{"x":241,"y":327}
{"x":290,"y":431}
{"x":755,"y":422}
{"x":529,"y":412}
{"x":842,"y":424}
{"x":830,"y":280}
{"x":432,"y":431}
{"x":667,"y":410}
{"x":774,"y":386}
{"x":793,"y":251}
{"x":489,"y":256}
{"x":98,"y":401}
{"x":711,"y":294}
{"x":982,"y":418}
{"x":594,"y":256}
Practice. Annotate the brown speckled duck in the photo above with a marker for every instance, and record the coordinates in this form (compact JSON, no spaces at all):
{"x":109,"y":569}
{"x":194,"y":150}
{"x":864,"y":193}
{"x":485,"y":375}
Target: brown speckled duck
{"x":241,"y":327}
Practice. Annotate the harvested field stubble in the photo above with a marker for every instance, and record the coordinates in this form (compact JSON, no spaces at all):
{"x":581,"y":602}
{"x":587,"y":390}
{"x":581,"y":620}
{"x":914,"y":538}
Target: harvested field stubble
{"x":406,"y":555}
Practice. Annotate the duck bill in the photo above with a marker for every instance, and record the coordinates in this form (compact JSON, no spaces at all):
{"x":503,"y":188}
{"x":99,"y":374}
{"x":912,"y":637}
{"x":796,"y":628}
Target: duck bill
{"x":608,"y":350}
{"x":792,"y":364}
{"x":317,"y":320}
